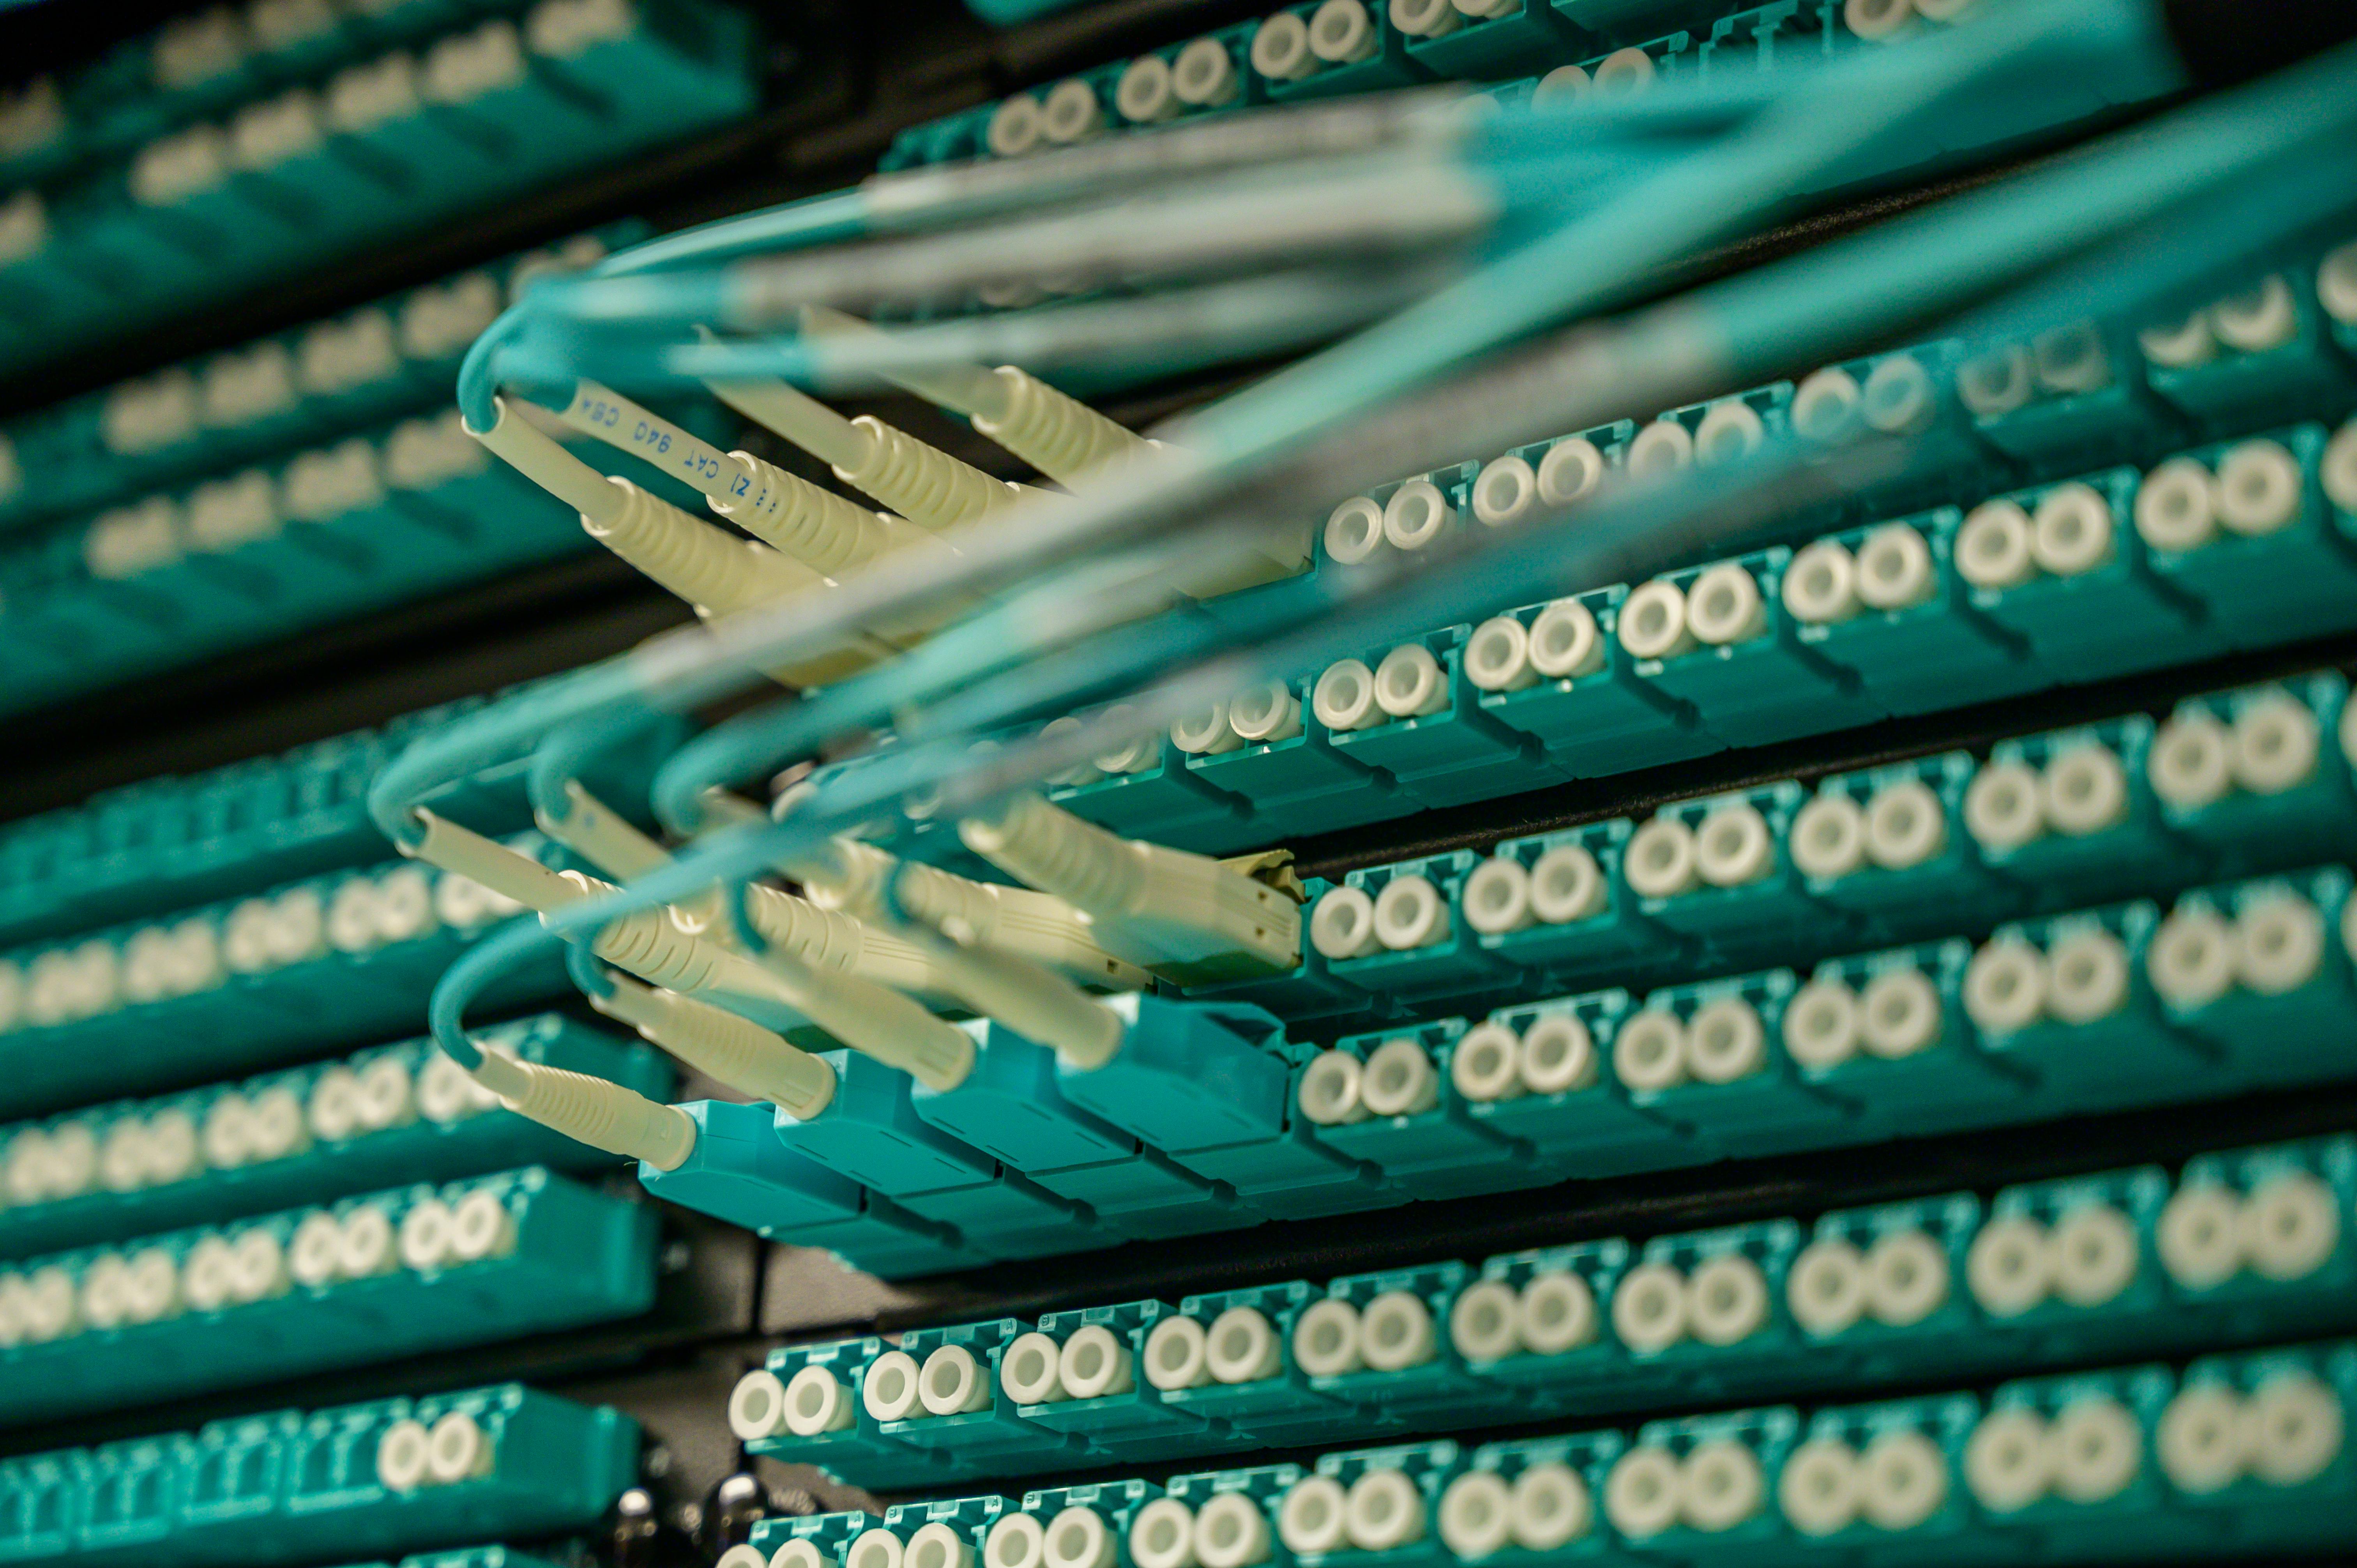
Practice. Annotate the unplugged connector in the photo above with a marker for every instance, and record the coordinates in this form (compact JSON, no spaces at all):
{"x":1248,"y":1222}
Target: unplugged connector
{"x":1188,"y":919}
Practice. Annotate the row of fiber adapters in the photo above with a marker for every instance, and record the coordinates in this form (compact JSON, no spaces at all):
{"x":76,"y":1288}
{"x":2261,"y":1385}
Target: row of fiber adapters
{"x":300,"y":387}
{"x":371,"y":521}
{"x":2049,"y":585}
{"x":2279,"y":350}
{"x":2228,"y":988}
{"x":378,"y":150}
{"x":391,"y":1476}
{"x":2232,"y":1454}
{"x":165,"y":843}
{"x":2240,"y":1245}
{"x":1208,"y":1120}
{"x":2230,"y":782}
{"x":1322,"y":49}
{"x":198,"y":65}
{"x":368,"y":1279}
{"x":387,"y":1114}
{"x":234,"y":987}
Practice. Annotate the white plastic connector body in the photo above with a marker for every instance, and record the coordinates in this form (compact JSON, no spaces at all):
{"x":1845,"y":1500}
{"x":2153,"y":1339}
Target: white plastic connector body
{"x":716,"y":1042}
{"x":591,"y":1111}
{"x":650,"y":944}
{"x":1188,"y":918}
{"x":1018,"y":921}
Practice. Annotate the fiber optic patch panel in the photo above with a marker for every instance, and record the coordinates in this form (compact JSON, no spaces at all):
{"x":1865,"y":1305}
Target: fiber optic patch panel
{"x":367,"y":153}
{"x":372,"y":1278}
{"x":240,"y":985}
{"x":289,"y":1486}
{"x":165,"y":843}
{"x":2244,"y":1246}
{"x":2000,"y":590}
{"x":1323,"y":48}
{"x":372,"y":520}
{"x":2233,"y":1454}
{"x":386,"y":1115}
{"x":2003,"y":1021}
{"x":397,"y":356}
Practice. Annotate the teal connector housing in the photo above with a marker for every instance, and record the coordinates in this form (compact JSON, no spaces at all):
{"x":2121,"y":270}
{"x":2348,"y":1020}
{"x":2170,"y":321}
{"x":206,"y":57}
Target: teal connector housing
{"x":1762,"y":682}
{"x":1537,"y":1321}
{"x":2271,"y":560}
{"x":1526,"y":37}
{"x":1875,"y":1295}
{"x":739,"y":1171}
{"x":2284,"y":791}
{"x":1576,"y":919}
{"x":168,"y":843}
{"x":1204,"y":1083}
{"x":1244,"y":1379}
{"x":1718,"y":870}
{"x":1371,"y":57}
{"x":1456,"y":753}
{"x":1720,"y":1511}
{"x":2097,"y":828}
{"x":871,"y":1133}
{"x":1097,"y":1390}
{"x":1890,"y":846}
{"x":1011,"y":1107}
{"x":277,"y":977}
{"x":834,"y":1431}
{"x":2111,"y":615}
{"x":1563,"y":1100}
{"x":1702,"y":1056}
{"x":1935,"y":648}
{"x":2286,"y":358}
{"x":1166,"y":800}
{"x":2099,"y":1036}
{"x":1888,"y":1035}
{"x":1410,"y":1121}
{"x":1452,"y":961}
{"x":414,"y":509}
{"x":370,"y":1279}
{"x":120,"y":258}
{"x":1605,"y":720}
{"x":2067,"y":1269}
{"x":2282,"y":1194}
{"x":829,"y":1535}
{"x":288,"y":1486}
{"x":1303,"y":784}
{"x":2073,"y":395}
{"x":1382,"y":1341}
{"x":389,"y":1115}
{"x":985,"y":1432}
{"x":2272,"y":1014}
{"x":333,"y":378}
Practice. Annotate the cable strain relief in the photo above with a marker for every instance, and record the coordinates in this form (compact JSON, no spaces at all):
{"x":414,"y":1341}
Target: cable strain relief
{"x":922,"y":483}
{"x":1061,"y":436}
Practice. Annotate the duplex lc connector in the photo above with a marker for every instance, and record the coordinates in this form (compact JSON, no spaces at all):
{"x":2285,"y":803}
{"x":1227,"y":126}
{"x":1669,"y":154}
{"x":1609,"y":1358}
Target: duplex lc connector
{"x":1060,"y":435}
{"x":736,"y":1051}
{"x":1188,"y":919}
{"x":922,"y":483}
{"x":653,"y":945}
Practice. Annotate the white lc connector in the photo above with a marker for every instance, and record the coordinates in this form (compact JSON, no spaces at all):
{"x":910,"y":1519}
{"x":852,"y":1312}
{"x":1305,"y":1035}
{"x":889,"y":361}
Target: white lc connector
{"x":922,"y":483}
{"x":716,"y":1042}
{"x":651,"y":945}
{"x":1060,"y":435}
{"x":1188,"y":919}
